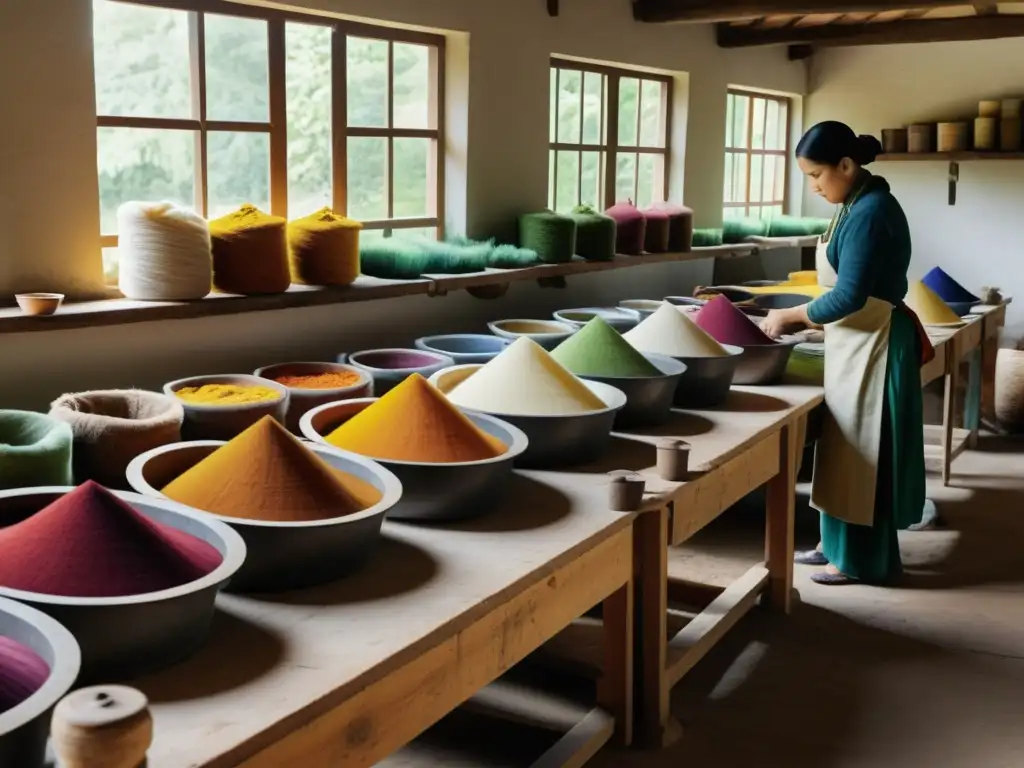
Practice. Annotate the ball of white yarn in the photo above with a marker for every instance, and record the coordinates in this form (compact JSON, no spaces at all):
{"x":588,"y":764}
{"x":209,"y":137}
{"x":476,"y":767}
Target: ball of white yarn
{"x":163,"y":252}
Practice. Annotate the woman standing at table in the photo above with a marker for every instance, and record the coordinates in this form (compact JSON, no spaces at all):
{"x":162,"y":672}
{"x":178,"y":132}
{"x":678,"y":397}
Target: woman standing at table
{"x":869,"y":475}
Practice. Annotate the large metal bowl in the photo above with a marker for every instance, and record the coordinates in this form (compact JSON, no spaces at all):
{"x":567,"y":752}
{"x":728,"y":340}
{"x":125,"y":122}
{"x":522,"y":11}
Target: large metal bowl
{"x":648,"y":398}
{"x":25,"y":728}
{"x":706,"y":381}
{"x":764,"y":363}
{"x":548,"y":333}
{"x":283,"y":555}
{"x":216,"y":421}
{"x":642,"y":308}
{"x":433,"y":491}
{"x":124,"y":637}
{"x":464,"y":348}
{"x":554,"y":441}
{"x":301,"y":399}
{"x":390,"y":367}
{"x":619,"y":319}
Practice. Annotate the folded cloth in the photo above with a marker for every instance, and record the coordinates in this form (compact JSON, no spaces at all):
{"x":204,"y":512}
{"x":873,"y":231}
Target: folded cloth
{"x":112,"y":427}
{"x":34,"y":450}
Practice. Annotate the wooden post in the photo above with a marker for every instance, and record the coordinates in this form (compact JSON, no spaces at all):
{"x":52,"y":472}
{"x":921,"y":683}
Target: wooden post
{"x":615,"y":692}
{"x":949,"y":405}
{"x":650,"y":557}
{"x":781,"y":513}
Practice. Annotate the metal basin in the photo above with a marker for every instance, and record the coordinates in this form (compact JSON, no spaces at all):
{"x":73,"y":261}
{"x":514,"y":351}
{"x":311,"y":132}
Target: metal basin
{"x":649,"y":398}
{"x":432,"y":491}
{"x":283,"y":555}
{"x":464,"y":348}
{"x":780,"y":300}
{"x":642,"y":308}
{"x":706,"y":381}
{"x":554,"y":441}
{"x":390,"y":367}
{"x":618,"y":319}
{"x":25,"y":728}
{"x":764,"y":363}
{"x":214,"y":421}
{"x":301,"y":400}
{"x":548,"y":333}
{"x":124,"y":637}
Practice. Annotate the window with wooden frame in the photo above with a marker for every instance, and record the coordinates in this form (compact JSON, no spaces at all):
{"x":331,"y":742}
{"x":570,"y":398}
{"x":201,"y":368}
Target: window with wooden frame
{"x":605,"y":118}
{"x":213,"y":104}
{"x":756,"y":155}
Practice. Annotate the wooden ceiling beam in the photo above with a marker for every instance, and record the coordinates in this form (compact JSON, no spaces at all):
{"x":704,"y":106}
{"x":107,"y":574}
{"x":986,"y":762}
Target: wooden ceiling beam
{"x":664,"y":11}
{"x":888,"y":33}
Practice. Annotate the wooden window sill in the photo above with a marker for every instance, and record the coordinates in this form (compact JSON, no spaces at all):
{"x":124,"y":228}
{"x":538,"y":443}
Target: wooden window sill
{"x":120,"y":311}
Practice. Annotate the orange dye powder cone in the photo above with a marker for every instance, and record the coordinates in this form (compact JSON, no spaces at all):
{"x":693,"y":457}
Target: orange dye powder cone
{"x":415,"y":422}
{"x":267,"y":474}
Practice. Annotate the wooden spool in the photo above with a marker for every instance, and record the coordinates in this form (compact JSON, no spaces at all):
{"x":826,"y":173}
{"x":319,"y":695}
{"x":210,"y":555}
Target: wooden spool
{"x":919,"y":138}
{"x":952,"y":137}
{"x":894,"y":141}
{"x":1010,"y":108}
{"x":673,"y":460}
{"x":625,"y":491}
{"x":1009,"y":134}
{"x":986,"y":133}
{"x":107,"y":726}
{"x":989,"y":108}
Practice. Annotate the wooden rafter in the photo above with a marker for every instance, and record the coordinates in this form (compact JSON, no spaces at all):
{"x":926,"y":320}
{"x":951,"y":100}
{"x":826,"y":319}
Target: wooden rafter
{"x":725,"y":10}
{"x":889,"y":33}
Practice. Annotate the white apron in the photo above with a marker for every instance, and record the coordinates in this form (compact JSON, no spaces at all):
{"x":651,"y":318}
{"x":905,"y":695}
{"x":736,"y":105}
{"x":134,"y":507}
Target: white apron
{"x":846,"y":459}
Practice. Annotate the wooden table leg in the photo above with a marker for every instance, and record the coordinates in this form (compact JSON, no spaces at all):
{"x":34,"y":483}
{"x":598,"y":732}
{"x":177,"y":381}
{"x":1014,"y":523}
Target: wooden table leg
{"x":781,"y":513}
{"x":972,"y":404}
{"x":616,"y":689}
{"x":650,"y":547}
{"x":949,"y":410}
{"x":989,"y":351}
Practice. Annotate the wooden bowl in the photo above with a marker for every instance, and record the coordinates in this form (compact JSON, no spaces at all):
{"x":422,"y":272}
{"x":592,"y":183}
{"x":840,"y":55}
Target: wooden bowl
{"x":39,"y":304}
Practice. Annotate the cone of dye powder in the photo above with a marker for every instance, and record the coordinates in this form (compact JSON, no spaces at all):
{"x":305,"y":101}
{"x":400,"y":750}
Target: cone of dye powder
{"x":90,"y":543}
{"x":670,"y":332}
{"x":630,"y":228}
{"x":415,"y":422}
{"x":597,"y":349}
{"x":265,"y":473}
{"x":250,"y":252}
{"x":524,"y":380}
{"x":946,"y":288}
{"x":323,"y":249}
{"x":727,"y":324}
{"x":930,"y":309}
{"x":22,"y":673}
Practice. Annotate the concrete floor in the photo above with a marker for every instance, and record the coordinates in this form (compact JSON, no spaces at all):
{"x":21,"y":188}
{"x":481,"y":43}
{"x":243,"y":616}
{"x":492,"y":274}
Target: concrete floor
{"x":929,"y":674}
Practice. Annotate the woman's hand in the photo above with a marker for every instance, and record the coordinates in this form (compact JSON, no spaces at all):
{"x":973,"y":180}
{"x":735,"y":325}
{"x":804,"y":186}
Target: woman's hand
{"x":778,"y":321}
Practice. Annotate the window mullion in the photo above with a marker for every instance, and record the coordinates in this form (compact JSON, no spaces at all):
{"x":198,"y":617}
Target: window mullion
{"x":197,"y":66}
{"x":339,"y":119}
{"x":612,"y":124}
{"x":389,"y":176}
{"x":276,"y":63}
{"x":435,"y":180}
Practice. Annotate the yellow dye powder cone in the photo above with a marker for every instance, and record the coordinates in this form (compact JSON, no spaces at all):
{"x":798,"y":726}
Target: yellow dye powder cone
{"x":929,"y":307}
{"x":670,"y":332}
{"x":267,"y":474}
{"x":524,"y":380}
{"x":415,"y":422}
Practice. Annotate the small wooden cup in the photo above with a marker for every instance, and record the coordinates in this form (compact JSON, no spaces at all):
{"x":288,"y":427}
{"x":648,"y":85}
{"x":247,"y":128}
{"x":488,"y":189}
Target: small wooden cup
{"x":625,"y":491}
{"x":106,"y":726}
{"x":673,"y":460}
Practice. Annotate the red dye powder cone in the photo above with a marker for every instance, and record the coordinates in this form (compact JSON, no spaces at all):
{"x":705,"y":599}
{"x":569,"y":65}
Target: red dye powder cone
{"x":728,"y":325}
{"x":22,"y":673}
{"x":90,"y":543}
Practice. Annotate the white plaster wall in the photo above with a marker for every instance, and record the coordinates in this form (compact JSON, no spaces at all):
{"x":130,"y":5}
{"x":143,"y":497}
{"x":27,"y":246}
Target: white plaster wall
{"x":979,"y":240}
{"x":498,"y":116}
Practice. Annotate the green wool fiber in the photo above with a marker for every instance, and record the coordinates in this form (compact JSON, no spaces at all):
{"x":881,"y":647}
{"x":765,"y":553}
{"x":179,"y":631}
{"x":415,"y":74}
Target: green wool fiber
{"x":738,"y":230}
{"x":703,"y":238}
{"x":405,"y":257}
{"x":597,"y":349}
{"x":34,"y":450}
{"x":595,"y":234}
{"x":511,"y":257}
{"x":551,"y":235}
{"x":796,"y":226}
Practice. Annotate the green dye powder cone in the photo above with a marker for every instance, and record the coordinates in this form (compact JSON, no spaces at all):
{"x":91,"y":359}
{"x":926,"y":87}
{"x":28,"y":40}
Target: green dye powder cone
{"x":597,"y":349}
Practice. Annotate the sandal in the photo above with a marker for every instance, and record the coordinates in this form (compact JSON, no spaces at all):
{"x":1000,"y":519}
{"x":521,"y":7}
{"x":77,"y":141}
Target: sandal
{"x":811,"y":557}
{"x":833,"y":579}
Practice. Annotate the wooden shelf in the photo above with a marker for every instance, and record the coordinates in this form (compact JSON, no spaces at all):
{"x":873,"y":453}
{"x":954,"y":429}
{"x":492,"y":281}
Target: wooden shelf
{"x":956,"y":157}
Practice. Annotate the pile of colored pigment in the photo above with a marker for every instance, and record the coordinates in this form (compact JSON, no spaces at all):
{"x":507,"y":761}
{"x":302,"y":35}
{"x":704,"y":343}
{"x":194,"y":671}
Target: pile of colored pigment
{"x":729,"y":325}
{"x":90,"y":543}
{"x":670,"y":332}
{"x":22,"y":673}
{"x":524,"y":380}
{"x":597,"y":349}
{"x":267,"y":474}
{"x":325,"y":380}
{"x":930,"y":309}
{"x":415,"y":422}
{"x":227,"y":394}
{"x":947,"y":288}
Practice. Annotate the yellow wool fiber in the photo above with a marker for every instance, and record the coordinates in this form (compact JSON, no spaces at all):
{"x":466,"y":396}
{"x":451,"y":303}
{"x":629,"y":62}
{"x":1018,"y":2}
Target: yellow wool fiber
{"x":250,"y":252}
{"x":227,"y":394}
{"x":323,"y":249}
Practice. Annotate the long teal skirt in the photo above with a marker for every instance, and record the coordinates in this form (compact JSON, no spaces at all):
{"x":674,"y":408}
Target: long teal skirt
{"x":872,"y":553}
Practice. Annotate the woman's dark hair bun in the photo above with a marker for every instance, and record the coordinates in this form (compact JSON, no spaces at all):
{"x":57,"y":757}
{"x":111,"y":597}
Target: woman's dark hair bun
{"x":870,"y":148}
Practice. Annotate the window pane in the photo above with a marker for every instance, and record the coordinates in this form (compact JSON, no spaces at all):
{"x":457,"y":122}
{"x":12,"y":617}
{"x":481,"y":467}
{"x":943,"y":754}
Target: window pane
{"x":237,"y":83}
{"x":730,"y":191}
{"x":367,"y":178}
{"x":768,"y":179}
{"x":755,"y":178}
{"x":780,"y":178}
{"x":569,"y":87}
{"x":730,"y":109}
{"x":367,"y":82}
{"x":652,"y":133}
{"x":430,"y":232}
{"x":646,"y":192}
{"x":110,"y":258}
{"x":144,"y":164}
{"x":592,"y":102}
{"x":629,"y":96}
{"x":142,"y":64}
{"x":784,"y":124}
{"x":733,"y":213}
{"x":740,"y":175}
{"x":773,"y":138}
{"x":411,"y":175}
{"x":412,"y":85}
{"x":371,"y":235}
{"x":591,"y":179}
{"x":625,"y":178}
{"x":567,"y":195}
{"x":238,"y":171}
{"x":308,"y":88}
{"x":553,"y":106}
{"x":551,"y":179}
{"x":757,"y":134}
{"x":739,"y":122}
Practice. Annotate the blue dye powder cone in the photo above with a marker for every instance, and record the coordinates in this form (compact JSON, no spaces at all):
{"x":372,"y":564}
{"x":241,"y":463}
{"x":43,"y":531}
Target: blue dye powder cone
{"x":948,"y":289}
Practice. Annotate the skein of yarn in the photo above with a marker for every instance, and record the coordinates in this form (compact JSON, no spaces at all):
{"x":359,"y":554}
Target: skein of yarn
{"x":163,"y":252}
